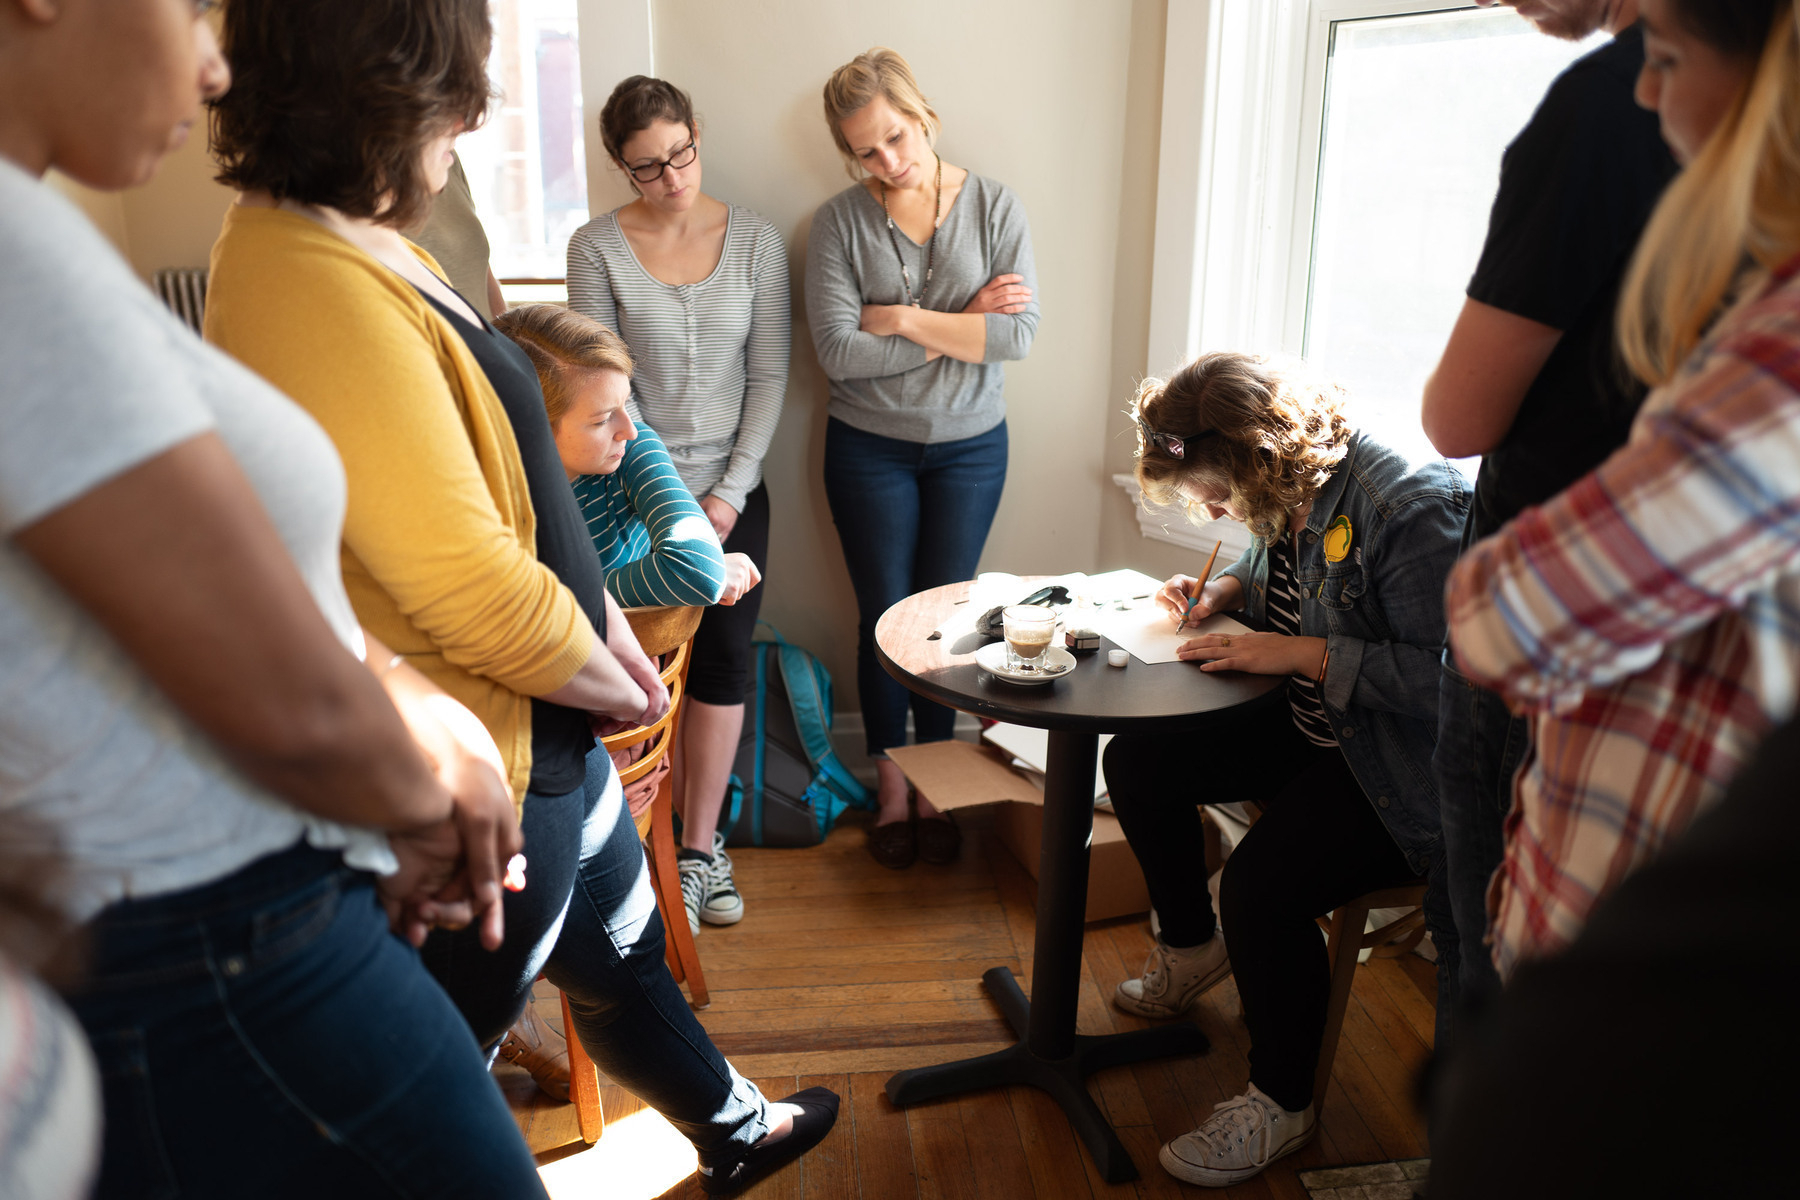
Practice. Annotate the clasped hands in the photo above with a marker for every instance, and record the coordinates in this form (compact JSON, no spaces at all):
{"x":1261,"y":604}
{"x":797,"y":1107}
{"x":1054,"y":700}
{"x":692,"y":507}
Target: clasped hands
{"x":1252,"y":652}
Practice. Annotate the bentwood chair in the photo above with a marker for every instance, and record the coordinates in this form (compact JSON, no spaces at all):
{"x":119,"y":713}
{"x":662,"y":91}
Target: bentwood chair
{"x":667,"y":634}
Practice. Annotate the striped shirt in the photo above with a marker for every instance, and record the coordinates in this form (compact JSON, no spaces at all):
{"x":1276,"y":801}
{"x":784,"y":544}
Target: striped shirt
{"x":712,"y":357}
{"x":1284,"y":618}
{"x":652,"y":537}
{"x":1649,"y":617}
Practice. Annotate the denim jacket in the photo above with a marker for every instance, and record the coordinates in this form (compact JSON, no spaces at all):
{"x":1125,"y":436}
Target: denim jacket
{"x":1370,"y":568}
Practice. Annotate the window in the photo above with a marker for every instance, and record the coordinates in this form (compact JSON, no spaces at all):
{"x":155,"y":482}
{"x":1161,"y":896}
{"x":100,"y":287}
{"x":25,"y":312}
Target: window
{"x":1325,"y":180}
{"x":1417,"y":110}
{"x":527,"y":166}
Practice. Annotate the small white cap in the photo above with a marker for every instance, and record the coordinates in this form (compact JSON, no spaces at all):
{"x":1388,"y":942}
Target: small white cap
{"x":1117,"y":658}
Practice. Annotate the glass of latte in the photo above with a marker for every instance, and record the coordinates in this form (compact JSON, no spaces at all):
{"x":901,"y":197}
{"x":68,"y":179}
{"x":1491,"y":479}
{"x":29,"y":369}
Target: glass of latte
{"x":1029,"y":628}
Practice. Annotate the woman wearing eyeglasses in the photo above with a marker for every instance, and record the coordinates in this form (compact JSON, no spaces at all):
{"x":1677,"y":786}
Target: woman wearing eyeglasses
{"x":920,"y":283}
{"x":699,"y":291}
{"x":1343,"y":586}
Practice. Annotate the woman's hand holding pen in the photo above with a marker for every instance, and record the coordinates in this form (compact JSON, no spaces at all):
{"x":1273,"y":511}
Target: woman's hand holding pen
{"x":1188,"y":603}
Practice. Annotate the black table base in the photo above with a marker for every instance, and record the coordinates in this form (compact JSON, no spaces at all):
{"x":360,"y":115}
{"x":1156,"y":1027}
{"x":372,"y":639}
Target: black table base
{"x":1062,"y":1078}
{"x":1050,"y":1055}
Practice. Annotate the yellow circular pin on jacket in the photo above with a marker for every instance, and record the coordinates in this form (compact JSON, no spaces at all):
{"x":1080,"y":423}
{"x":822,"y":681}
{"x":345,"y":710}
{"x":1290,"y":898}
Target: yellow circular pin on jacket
{"x":1337,"y":540}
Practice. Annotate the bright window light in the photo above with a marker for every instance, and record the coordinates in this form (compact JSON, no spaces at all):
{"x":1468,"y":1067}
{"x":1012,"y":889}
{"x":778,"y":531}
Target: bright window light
{"x":1418,"y":110}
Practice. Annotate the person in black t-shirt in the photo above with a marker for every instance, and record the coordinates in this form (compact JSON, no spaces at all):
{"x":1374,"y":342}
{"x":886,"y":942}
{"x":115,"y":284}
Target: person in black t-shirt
{"x":1532,"y":382}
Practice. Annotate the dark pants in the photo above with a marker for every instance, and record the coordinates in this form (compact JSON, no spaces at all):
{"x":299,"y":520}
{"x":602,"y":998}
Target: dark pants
{"x":721,"y":666}
{"x":266,"y":1036}
{"x":910,"y":516}
{"x":587,"y":919}
{"x":1318,"y":844}
{"x":1480,"y":746}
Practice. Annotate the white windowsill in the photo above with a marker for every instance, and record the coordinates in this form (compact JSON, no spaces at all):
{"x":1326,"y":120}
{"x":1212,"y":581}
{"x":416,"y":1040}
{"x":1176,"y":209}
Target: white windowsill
{"x":1172,"y":525}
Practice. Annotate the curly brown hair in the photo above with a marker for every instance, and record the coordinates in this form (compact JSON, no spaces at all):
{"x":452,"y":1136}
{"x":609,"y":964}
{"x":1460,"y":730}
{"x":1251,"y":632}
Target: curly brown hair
{"x":562,"y":344}
{"x":1267,"y":434}
{"x":332,"y":101}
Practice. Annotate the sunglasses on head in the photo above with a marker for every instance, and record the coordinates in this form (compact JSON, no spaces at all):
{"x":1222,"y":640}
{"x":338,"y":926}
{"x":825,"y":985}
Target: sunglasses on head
{"x":1174,"y":445}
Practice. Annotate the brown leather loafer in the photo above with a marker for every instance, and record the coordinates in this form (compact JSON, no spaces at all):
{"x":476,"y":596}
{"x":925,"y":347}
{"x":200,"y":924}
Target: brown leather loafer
{"x":540,"y":1050}
{"x":892,"y":845}
{"x":940,"y":841}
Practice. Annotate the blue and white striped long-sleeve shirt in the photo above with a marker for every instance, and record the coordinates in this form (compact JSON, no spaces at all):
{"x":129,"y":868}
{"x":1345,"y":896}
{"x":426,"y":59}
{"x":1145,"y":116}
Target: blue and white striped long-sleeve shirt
{"x":652,"y":537}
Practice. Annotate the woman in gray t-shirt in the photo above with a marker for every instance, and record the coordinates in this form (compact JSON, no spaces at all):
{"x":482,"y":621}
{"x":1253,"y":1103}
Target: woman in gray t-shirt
{"x":919,"y":284}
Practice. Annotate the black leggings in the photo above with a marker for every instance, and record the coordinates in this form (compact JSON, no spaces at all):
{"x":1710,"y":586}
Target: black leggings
{"x":1319,"y":843}
{"x":721,"y":667}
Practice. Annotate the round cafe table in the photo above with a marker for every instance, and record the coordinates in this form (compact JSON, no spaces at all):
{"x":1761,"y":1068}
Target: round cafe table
{"x":1094,"y":698}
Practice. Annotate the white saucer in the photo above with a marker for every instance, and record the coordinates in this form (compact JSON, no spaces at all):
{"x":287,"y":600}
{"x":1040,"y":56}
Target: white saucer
{"x":1057,"y":663}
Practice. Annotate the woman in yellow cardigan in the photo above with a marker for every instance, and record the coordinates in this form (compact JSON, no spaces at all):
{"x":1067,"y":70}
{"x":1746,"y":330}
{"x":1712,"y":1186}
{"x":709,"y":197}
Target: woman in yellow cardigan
{"x":463,"y":547}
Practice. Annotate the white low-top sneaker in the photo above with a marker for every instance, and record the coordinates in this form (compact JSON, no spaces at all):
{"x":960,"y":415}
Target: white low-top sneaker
{"x":1173,"y":979}
{"x":1244,"y":1135}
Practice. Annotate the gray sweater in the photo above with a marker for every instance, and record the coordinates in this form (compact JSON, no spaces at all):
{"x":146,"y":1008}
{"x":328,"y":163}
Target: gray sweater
{"x":883,"y":385}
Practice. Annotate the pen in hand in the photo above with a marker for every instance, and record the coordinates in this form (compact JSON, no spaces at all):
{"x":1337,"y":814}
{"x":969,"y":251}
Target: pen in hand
{"x":1200,"y":585}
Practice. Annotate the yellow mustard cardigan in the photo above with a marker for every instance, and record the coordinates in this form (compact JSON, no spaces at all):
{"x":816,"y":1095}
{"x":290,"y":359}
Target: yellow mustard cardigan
{"x":439,"y":551}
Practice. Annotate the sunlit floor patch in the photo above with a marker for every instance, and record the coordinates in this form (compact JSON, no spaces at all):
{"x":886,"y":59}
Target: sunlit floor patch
{"x":638,"y":1157}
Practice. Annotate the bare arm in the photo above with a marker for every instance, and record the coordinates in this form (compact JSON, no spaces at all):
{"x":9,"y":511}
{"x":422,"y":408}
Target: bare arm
{"x":179,"y":562}
{"x":1488,"y":365}
{"x":496,"y":297}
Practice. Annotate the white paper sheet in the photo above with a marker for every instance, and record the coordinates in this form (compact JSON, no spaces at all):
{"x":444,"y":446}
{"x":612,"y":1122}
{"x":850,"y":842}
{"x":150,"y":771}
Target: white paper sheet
{"x":1151,"y":636}
{"x":1031,"y":748}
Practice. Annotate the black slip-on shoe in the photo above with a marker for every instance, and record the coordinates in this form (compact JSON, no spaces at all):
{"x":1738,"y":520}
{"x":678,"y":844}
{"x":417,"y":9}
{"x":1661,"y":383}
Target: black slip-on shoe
{"x":818,"y":1113}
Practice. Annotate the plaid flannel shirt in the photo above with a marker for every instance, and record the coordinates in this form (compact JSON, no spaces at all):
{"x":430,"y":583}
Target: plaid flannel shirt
{"x":1649,"y":619}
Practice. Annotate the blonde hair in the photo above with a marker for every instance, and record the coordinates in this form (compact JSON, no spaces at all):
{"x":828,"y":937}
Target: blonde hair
{"x":1738,"y":199}
{"x":1269,"y":434}
{"x":563,"y":345}
{"x":875,"y":72}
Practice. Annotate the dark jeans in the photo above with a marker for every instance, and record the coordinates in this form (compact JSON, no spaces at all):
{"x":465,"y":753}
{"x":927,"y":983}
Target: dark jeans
{"x":266,"y":1036}
{"x":1318,"y":844}
{"x":721,"y":666}
{"x":587,"y":919}
{"x":910,"y":516}
{"x":1480,"y":746}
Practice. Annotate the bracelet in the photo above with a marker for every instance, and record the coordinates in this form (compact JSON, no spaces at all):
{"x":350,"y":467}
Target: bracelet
{"x":1325,"y":662}
{"x":392,"y":663}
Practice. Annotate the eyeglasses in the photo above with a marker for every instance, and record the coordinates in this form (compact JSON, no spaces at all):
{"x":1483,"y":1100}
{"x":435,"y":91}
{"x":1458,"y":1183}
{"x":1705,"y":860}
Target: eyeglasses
{"x":1175,"y":446}
{"x":651,"y":172}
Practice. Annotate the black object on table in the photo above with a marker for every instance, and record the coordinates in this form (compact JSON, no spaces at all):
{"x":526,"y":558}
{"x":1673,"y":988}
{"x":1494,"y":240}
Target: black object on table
{"x":1093,"y":699}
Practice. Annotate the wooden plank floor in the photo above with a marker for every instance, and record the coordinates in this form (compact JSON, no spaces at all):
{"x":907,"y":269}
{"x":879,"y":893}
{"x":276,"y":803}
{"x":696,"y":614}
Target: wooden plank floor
{"x":843,"y":972}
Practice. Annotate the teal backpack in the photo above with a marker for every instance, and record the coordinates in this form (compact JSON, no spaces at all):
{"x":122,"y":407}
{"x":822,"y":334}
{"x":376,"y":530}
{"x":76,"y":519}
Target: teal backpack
{"x":788,"y":787}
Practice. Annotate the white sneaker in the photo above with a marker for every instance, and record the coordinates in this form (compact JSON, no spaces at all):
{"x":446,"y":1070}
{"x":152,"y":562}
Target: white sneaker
{"x":1173,"y":979}
{"x":707,"y":888}
{"x":1244,"y":1135}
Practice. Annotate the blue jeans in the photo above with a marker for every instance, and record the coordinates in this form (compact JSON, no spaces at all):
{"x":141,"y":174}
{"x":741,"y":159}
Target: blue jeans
{"x":910,"y":516}
{"x":587,"y":919}
{"x":1480,"y":746}
{"x":265,"y":1035}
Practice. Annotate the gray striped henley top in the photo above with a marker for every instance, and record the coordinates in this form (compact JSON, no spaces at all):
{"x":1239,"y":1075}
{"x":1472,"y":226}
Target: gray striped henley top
{"x":712,"y":357}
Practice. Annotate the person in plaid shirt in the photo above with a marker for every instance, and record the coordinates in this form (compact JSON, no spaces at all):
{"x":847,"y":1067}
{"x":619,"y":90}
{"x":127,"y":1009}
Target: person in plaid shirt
{"x":1649,"y":617}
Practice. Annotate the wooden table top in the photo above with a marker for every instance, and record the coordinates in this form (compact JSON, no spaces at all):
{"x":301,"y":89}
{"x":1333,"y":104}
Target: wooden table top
{"x":1094,"y":698}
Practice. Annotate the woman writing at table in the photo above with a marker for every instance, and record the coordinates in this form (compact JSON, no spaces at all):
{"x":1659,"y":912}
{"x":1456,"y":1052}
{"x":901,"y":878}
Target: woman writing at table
{"x":1344,"y":587}
{"x":919,"y":284}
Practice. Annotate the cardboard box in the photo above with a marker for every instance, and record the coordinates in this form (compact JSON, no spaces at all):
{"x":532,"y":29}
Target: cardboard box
{"x":956,"y":775}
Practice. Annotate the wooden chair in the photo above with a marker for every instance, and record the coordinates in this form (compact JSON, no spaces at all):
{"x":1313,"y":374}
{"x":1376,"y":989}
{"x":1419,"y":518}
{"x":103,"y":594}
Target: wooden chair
{"x":1346,"y":941}
{"x":661,"y":632}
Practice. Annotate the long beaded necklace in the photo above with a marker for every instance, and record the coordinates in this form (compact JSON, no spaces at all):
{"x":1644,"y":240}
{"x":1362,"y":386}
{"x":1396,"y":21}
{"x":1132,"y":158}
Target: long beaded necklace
{"x":937,"y":215}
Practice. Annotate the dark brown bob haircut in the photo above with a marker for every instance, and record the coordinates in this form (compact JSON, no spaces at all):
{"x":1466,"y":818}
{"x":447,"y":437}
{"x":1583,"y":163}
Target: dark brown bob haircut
{"x":332,"y":101}
{"x":1268,"y":434}
{"x":635,"y":105}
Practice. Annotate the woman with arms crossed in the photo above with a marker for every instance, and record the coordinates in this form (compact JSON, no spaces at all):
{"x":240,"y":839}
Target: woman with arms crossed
{"x":1343,"y":586}
{"x":462,"y":540}
{"x":699,"y":290}
{"x":919,"y":284}
{"x":185,"y":722}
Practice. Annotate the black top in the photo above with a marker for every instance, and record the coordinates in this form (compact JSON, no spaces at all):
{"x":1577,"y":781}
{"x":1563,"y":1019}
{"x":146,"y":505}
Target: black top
{"x":560,"y":737}
{"x":1576,"y":187}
